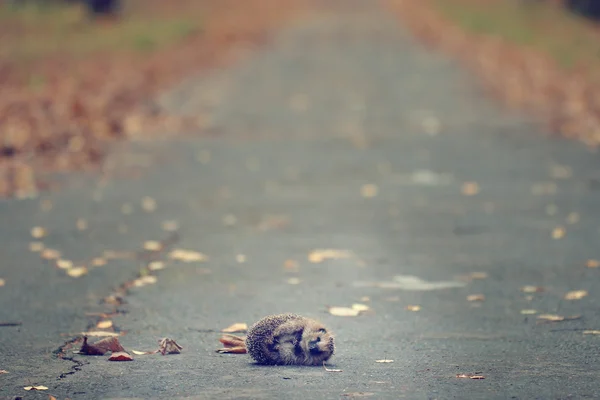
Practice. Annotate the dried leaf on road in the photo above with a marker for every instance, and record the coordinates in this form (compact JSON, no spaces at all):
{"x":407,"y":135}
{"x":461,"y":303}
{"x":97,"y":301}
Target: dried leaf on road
{"x":120,"y":356}
{"x":101,"y":347}
{"x":576,"y":295}
{"x":50,"y":397}
{"x":37,"y":387}
{"x":360,"y":307}
{"x":414,"y":308}
{"x":2,"y":282}
{"x":64,"y":264}
{"x":384,"y":361}
{"x":50,"y":254}
{"x":104,"y":324}
{"x":558,"y":232}
{"x":77,"y":272}
{"x":152,"y":245}
{"x":470,"y":188}
{"x":237,"y":327}
{"x":168,"y":346}
{"x":3,"y":371}
{"x":232,"y":340}
{"x":156,"y":265}
{"x":38,"y":232}
{"x":556,"y":318}
{"x":98,"y":262}
{"x":344,"y":311}
{"x":293,"y":281}
{"x":148,"y":204}
{"x":144,"y":281}
{"x":369,"y":190}
{"x":592,"y":264}
{"x":291,"y":265}
{"x":476,"y":297}
{"x":528,"y":312}
{"x":532,"y":289}
{"x":187,"y":256}
{"x":591,"y":332}
{"x":329,"y":369}
{"x":470,"y":376}
{"x":36,"y":246}
{"x":320,"y":255}
{"x":170,"y":226}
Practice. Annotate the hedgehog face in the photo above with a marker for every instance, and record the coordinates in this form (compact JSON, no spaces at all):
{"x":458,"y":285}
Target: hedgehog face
{"x":317,"y":343}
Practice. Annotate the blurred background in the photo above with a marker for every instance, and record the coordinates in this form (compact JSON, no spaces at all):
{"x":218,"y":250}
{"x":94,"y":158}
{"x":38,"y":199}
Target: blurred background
{"x":78,"y":74}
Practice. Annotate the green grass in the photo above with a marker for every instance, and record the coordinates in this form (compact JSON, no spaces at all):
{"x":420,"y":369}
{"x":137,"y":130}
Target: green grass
{"x":35,"y":31}
{"x":567,"y":39}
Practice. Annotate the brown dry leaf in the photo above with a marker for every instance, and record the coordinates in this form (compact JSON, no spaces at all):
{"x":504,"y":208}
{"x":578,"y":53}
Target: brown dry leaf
{"x":591,"y":332}
{"x":330,"y":370}
{"x":156,"y":265}
{"x":148,"y":204}
{"x":532,"y":289}
{"x":36,"y":246}
{"x":100,"y":334}
{"x":576,"y":295}
{"x":369,"y":190}
{"x":237,"y":327}
{"x":2,"y":282}
{"x":50,"y":254}
{"x":98,"y":262}
{"x":37,"y":387}
{"x":38,"y":232}
{"x":187,"y":256}
{"x":144,"y":281}
{"x":343,"y":311}
{"x":152,"y":245}
{"x":232,"y":340}
{"x":319,"y":255}
{"x":413,"y":308}
{"x":476,"y":297}
{"x":64,"y":264}
{"x":77,"y":272}
{"x":120,"y":356}
{"x":558,"y":233}
{"x":592,"y":264}
{"x":470,"y":376}
{"x":470,"y":188}
{"x":104,"y":324}
{"x":384,"y":361}
{"x":50,"y":397}
{"x":168,"y":346}
{"x":101,"y":347}
{"x":528,"y":312}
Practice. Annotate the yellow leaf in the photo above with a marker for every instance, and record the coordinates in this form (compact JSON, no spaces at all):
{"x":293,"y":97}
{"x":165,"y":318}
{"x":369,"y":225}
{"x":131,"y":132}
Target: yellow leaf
{"x":140,"y":353}
{"x":77,"y":272}
{"x":343,"y":311}
{"x":360,"y":307}
{"x":64,"y":264}
{"x":532,"y":289}
{"x":412,"y":308}
{"x":2,"y":282}
{"x":145,"y":280}
{"x":319,"y":255}
{"x":156,"y":265}
{"x":591,"y":332}
{"x":470,"y":188}
{"x":240,"y":258}
{"x":104,"y":324}
{"x":369,"y":190}
{"x":293,"y":281}
{"x":50,"y":254}
{"x":528,"y":312}
{"x":36,"y":246}
{"x":237,"y":327}
{"x":187,"y":256}
{"x":576,"y":295}
{"x":558,"y":233}
{"x":37,"y":387}
{"x":475,"y":297}
{"x":551,"y":317}
{"x":38,"y":232}
{"x":152,"y":245}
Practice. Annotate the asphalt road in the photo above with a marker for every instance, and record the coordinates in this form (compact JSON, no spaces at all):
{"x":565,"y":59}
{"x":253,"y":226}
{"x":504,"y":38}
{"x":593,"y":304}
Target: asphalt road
{"x":342,"y":133}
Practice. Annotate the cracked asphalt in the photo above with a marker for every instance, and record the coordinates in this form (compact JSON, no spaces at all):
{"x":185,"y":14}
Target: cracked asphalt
{"x":341,"y":133}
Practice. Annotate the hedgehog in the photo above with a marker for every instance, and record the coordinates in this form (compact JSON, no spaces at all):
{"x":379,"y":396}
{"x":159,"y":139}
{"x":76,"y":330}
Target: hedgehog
{"x":286,"y":339}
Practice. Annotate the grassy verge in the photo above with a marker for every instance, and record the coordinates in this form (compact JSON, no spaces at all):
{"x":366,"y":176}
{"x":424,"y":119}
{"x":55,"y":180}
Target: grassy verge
{"x":533,"y":55}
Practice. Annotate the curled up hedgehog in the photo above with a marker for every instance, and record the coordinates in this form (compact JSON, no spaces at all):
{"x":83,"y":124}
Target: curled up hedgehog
{"x":284,"y":339}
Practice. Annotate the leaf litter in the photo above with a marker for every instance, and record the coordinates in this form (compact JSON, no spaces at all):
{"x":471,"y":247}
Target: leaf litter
{"x":549,"y":318}
{"x":187,"y":256}
{"x":233,"y":344}
{"x":237,"y":327}
{"x":168,"y":346}
{"x":36,"y":387}
{"x":576,"y":295}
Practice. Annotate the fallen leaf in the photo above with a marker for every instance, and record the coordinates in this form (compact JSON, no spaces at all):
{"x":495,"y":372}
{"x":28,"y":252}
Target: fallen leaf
{"x":156,"y":265}
{"x":98,"y":262}
{"x":141,"y":353}
{"x":558,"y":233}
{"x":470,"y":188}
{"x":36,"y":246}
{"x":64,"y":264}
{"x":168,"y":346}
{"x":237,"y":327}
{"x":38,"y":387}
{"x":343,"y":311}
{"x":3,"y":371}
{"x":412,"y":308}
{"x":576,"y":295}
{"x":187,"y":256}
{"x":38,"y":232}
{"x":120,"y":356}
{"x":232,"y":340}
{"x":592,"y":264}
{"x":360,"y":307}
{"x":369,"y":190}
{"x":330,"y":370}
{"x":50,"y":397}
{"x":104,"y":324}
{"x":144,"y":281}
{"x":291,"y":265}
{"x":319,"y":255}
{"x":152,"y":245}
{"x":294,"y":281}
{"x":148,"y":204}
{"x":101,"y":347}
{"x":470,"y":376}
{"x":81,"y":224}
{"x":475,"y":297}
{"x":50,"y":254}
{"x":240,"y":258}
{"x":384,"y":361}
{"x":528,"y":312}
{"x":2,"y":282}
{"x":591,"y":332}
{"x":532,"y":289}
{"x":113,"y":299}
{"x":170,"y":226}
{"x":100,"y":334}
{"x":271,"y":222}
{"x":77,"y":272}
{"x":551,"y":317}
